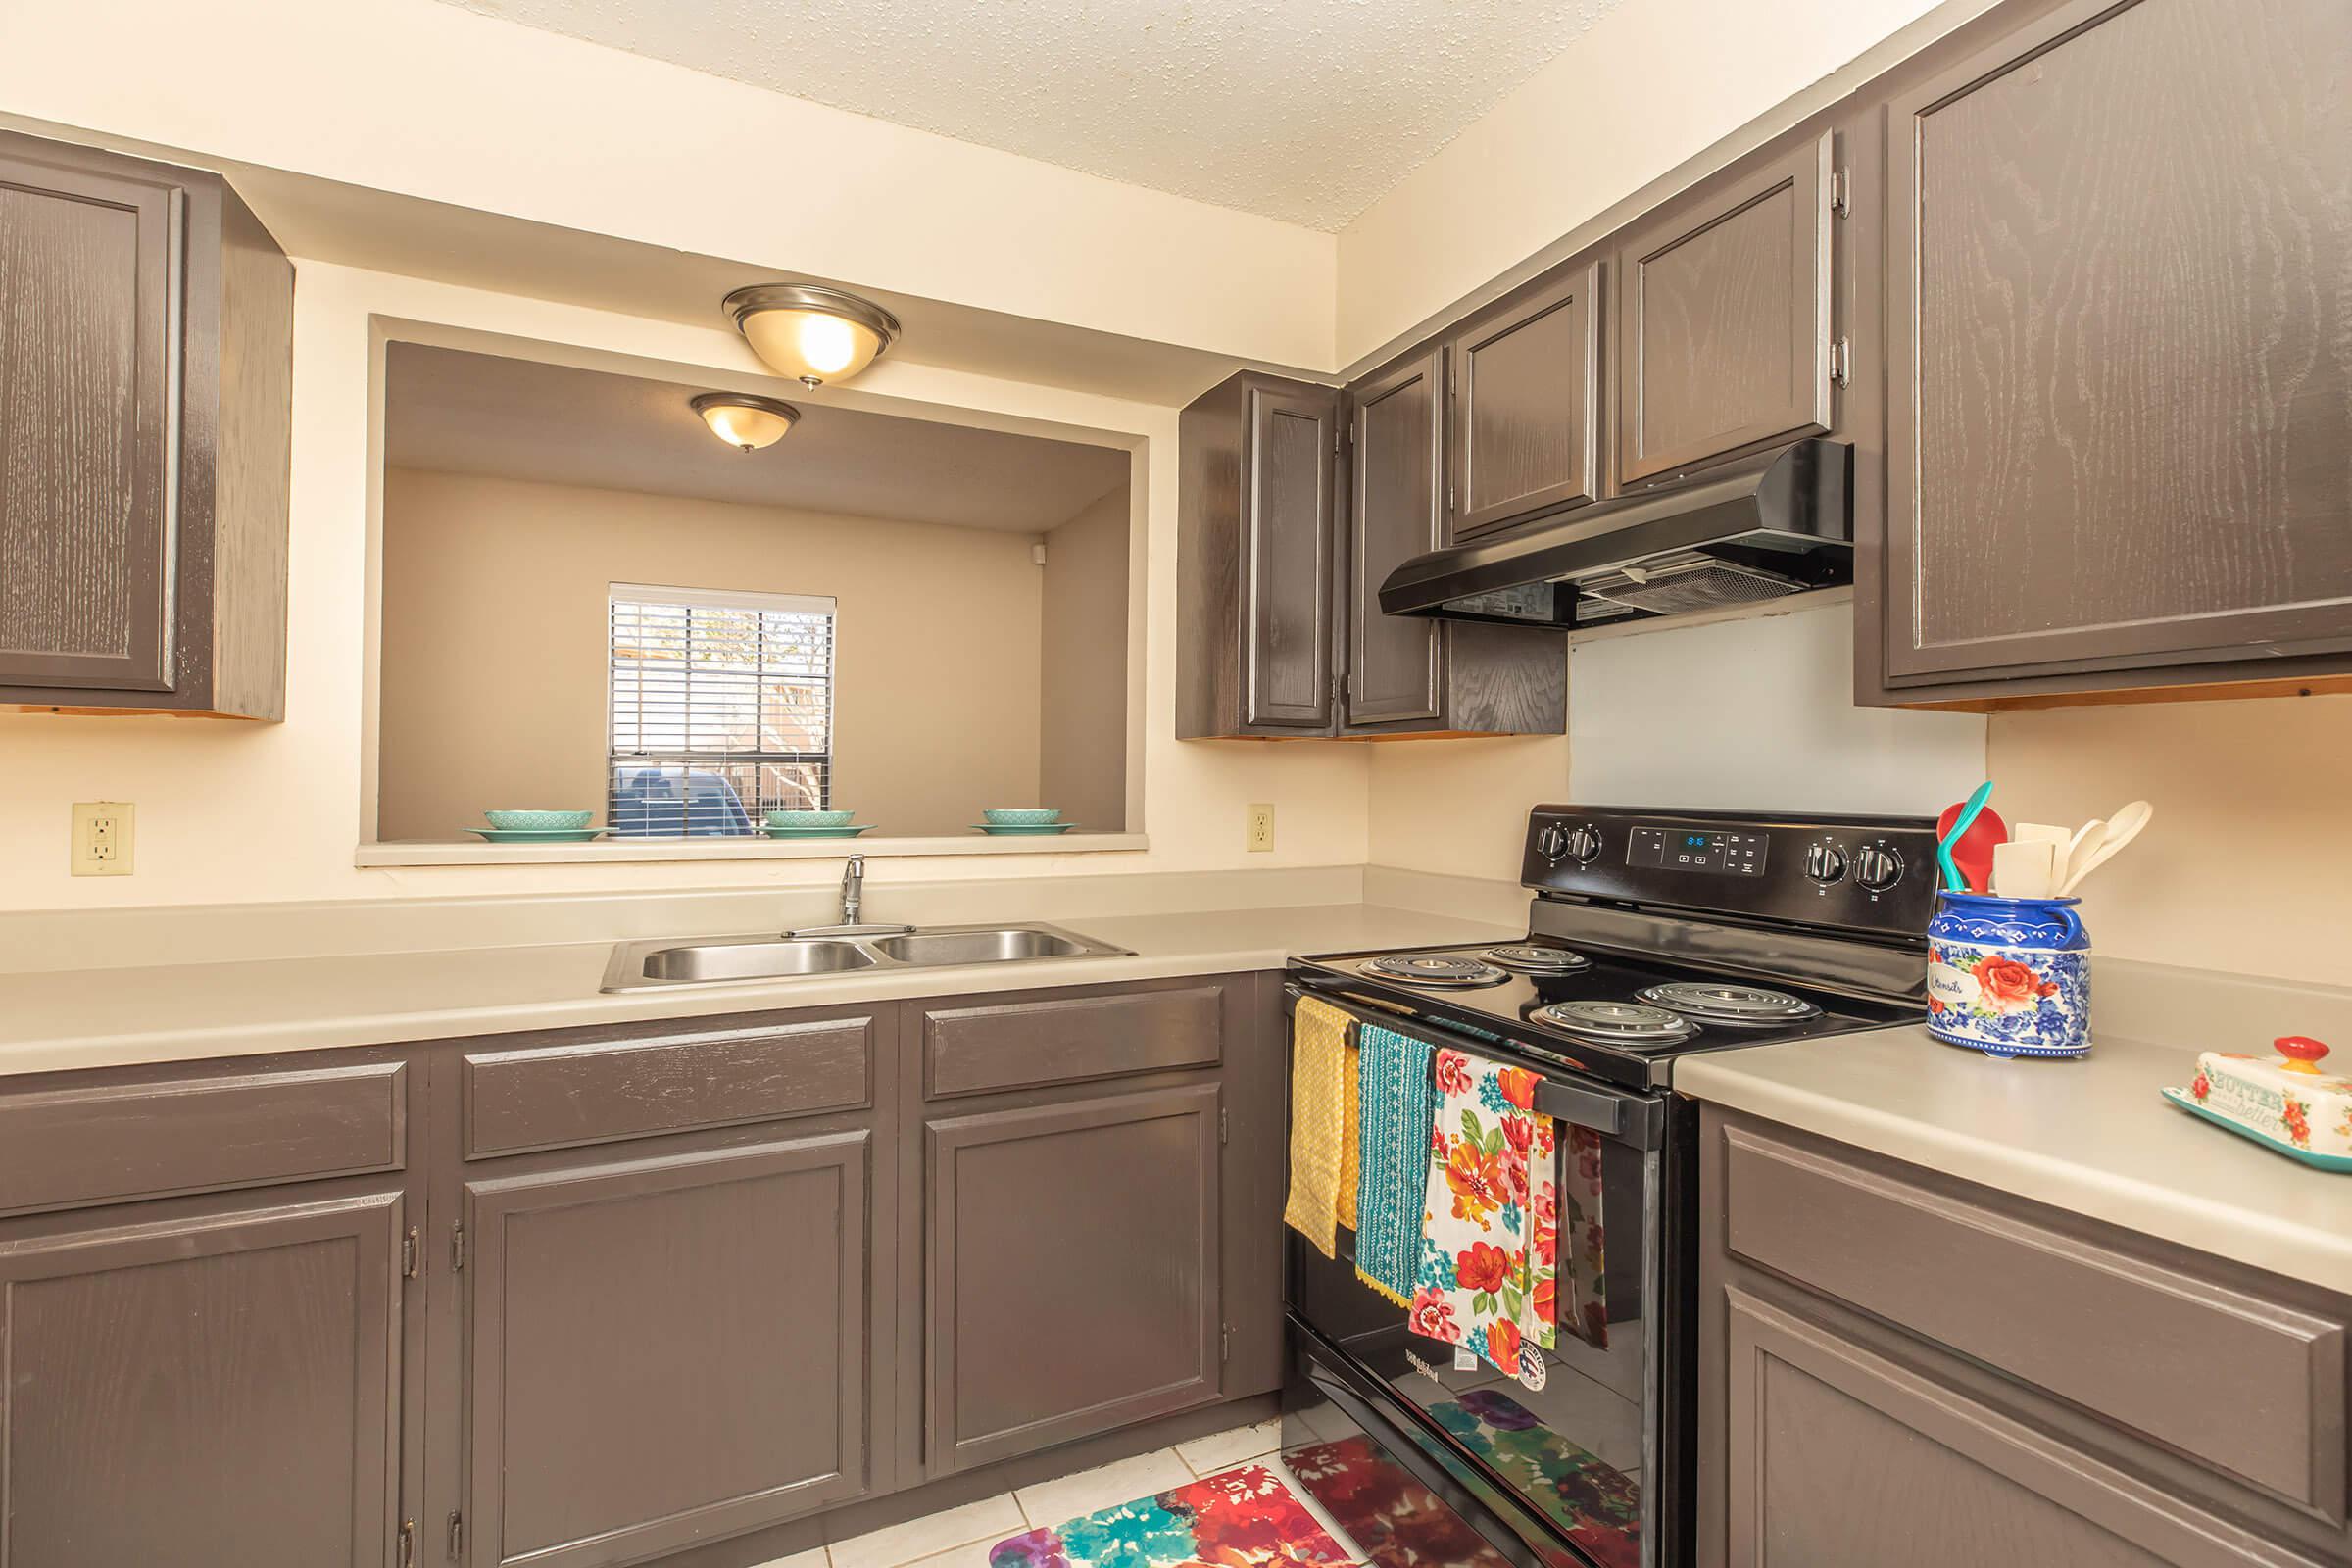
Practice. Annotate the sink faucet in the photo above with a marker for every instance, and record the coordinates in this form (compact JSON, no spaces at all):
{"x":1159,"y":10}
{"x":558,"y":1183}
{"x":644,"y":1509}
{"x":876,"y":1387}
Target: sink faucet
{"x":853,"y":889}
{"x":853,"y":902}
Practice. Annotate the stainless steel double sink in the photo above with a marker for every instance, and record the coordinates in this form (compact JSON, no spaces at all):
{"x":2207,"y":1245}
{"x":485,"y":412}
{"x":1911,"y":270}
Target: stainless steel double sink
{"x":724,"y":961}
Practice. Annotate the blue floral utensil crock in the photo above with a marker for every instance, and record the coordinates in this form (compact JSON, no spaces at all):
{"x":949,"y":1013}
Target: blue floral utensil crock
{"x":2010,"y":977}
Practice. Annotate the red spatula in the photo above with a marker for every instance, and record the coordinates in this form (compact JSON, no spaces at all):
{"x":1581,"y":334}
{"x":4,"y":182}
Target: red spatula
{"x":1971,"y":850}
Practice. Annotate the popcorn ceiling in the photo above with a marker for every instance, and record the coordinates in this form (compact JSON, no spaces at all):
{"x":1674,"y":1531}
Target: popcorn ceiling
{"x":1305,"y":111}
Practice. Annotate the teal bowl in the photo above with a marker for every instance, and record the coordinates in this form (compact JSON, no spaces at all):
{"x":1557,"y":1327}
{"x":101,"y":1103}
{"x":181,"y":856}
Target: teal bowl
{"x":810,"y":818}
{"x":537,"y":821}
{"x":1022,"y":815}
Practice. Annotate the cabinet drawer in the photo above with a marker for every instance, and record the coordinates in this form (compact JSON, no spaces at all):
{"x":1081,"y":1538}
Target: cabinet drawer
{"x":199,"y":1132}
{"x":601,"y":1090}
{"x":1022,"y":1045}
{"x":2135,"y":1343}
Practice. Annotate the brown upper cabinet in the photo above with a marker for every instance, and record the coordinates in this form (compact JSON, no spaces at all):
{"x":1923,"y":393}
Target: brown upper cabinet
{"x":1724,"y":320}
{"x":147,"y":318}
{"x":1281,"y":634}
{"x":1395,"y":664}
{"x":1525,"y":407}
{"x":2118,"y":253}
{"x":1256,"y":575}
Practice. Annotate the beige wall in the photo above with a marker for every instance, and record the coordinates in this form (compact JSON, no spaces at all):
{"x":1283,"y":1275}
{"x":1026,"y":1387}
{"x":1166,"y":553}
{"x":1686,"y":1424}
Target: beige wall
{"x":495,"y":640}
{"x":243,"y":812}
{"x":1082,"y":762}
{"x":2247,"y":863}
{"x":1650,"y":87}
{"x":430,"y":100}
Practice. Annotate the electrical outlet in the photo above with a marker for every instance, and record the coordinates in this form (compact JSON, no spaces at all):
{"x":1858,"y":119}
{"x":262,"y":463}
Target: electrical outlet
{"x":103,"y":836}
{"x":1262,"y":828}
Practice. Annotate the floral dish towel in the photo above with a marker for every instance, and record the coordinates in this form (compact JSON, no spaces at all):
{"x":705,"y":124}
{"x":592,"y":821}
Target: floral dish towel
{"x":1489,"y":1230}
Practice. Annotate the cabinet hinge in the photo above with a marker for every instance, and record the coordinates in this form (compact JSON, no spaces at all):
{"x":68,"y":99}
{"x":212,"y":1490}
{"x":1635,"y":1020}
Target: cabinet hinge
{"x":1224,"y":1342}
{"x":408,"y":1544}
{"x":1841,"y":360}
{"x":1224,"y":1126}
{"x":1450,"y":497}
{"x":412,"y":1256}
{"x":457,"y":1246}
{"x":456,"y":1537}
{"x":1842,"y":192}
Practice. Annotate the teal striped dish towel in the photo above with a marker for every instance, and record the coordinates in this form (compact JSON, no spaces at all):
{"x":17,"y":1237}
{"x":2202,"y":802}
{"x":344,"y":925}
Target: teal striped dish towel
{"x":1393,"y":1082}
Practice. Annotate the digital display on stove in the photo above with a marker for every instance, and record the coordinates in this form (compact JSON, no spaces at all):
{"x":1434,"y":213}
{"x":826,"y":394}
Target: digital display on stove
{"x":1680,"y":850}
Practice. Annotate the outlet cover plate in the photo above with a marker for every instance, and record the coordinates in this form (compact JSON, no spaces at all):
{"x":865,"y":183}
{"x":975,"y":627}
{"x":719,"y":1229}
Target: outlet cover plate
{"x":104,"y":838}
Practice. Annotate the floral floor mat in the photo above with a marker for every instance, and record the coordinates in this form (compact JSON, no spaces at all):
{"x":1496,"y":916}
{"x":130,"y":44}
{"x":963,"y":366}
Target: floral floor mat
{"x":1244,"y":1518}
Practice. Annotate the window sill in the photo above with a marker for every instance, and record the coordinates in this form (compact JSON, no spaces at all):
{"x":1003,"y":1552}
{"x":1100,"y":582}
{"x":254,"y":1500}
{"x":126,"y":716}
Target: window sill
{"x":434,"y":852}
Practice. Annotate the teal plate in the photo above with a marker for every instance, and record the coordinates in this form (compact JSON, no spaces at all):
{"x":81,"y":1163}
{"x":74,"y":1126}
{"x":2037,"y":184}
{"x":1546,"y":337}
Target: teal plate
{"x":2335,"y":1162}
{"x":540,"y":834}
{"x":849,"y":831}
{"x":1017,"y":830}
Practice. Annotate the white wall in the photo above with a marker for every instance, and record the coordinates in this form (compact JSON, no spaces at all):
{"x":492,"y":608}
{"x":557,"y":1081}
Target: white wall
{"x":1756,"y":713}
{"x":239,"y":812}
{"x":1751,"y":713}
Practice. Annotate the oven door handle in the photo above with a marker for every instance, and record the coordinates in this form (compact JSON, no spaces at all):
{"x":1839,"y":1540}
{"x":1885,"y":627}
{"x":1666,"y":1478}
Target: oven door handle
{"x":1636,"y":1119}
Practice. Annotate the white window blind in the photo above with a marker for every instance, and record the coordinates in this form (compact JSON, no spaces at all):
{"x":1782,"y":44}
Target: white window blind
{"x":722,"y":708}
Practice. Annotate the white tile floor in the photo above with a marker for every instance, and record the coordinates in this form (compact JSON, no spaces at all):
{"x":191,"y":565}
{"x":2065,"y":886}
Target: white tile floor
{"x":960,"y":1537}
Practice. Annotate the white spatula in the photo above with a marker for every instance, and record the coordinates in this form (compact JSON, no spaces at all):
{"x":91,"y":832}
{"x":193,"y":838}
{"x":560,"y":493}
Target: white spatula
{"x":2122,"y":828}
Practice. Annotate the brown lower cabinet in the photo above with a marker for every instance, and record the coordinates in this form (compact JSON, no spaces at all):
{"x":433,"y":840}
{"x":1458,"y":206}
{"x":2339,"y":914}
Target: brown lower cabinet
{"x":1895,"y":1366}
{"x":589,"y":1297}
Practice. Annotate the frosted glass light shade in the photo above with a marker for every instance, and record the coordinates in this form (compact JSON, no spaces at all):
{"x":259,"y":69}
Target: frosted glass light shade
{"x":741,"y":419}
{"x":812,"y":334}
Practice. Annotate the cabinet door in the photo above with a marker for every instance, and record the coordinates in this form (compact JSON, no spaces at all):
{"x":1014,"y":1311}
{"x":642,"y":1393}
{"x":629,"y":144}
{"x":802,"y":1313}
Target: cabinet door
{"x":663,"y":1350}
{"x":1724,"y":317}
{"x":1525,"y":407}
{"x":1287,"y":587}
{"x":1396,"y":512}
{"x":1841,"y":1455}
{"x":1071,"y":1270}
{"x":221,"y":1388}
{"x":2120,"y":250}
{"x":90,"y":283}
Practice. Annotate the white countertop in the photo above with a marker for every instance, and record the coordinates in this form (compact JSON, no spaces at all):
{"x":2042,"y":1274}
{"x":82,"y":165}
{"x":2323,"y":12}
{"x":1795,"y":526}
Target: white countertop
{"x":112,"y":1017}
{"x":2092,"y":1136}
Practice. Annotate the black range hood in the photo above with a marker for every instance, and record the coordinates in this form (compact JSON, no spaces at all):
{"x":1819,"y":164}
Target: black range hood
{"x":1776,"y":522}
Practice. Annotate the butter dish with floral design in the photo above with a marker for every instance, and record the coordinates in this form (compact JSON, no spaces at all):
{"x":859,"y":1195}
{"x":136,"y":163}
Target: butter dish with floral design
{"x":2289,"y":1104}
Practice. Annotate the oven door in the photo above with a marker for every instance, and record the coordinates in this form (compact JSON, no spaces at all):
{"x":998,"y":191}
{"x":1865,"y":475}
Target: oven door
{"x":1593,"y":1447}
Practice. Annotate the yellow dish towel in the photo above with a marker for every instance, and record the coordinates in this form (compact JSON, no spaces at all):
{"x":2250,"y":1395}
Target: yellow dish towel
{"x":1319,"y":1042}
{"x":1351,"y":1130}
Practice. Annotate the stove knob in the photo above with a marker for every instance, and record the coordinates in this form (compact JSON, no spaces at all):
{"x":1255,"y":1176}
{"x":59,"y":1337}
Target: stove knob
{"x":1878,"y":868}
{"x":1552,"y":842}
{"x":1583,"y":845}
{"x":1824,"y":863}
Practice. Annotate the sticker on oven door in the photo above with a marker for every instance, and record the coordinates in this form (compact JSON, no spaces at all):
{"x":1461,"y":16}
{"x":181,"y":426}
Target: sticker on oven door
{"x":1532,"y":1370}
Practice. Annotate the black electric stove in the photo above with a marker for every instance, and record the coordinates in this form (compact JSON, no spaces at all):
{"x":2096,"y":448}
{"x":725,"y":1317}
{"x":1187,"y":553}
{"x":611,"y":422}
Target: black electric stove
{"x":1652,"y":935}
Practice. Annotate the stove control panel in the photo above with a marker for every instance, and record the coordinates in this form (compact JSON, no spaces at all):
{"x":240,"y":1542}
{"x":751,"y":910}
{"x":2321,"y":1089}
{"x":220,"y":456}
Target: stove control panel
{"x":1699,"y":849}
{"x":1855,"y":872}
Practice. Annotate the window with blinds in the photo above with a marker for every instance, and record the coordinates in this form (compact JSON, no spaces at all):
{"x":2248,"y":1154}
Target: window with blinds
{"x":722,"y":708}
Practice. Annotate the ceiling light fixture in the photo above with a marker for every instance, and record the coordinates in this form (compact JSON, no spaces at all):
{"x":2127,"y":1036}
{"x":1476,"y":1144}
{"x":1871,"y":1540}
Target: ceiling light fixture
{"x":812,"y":334}
{"x":741,"y":419}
